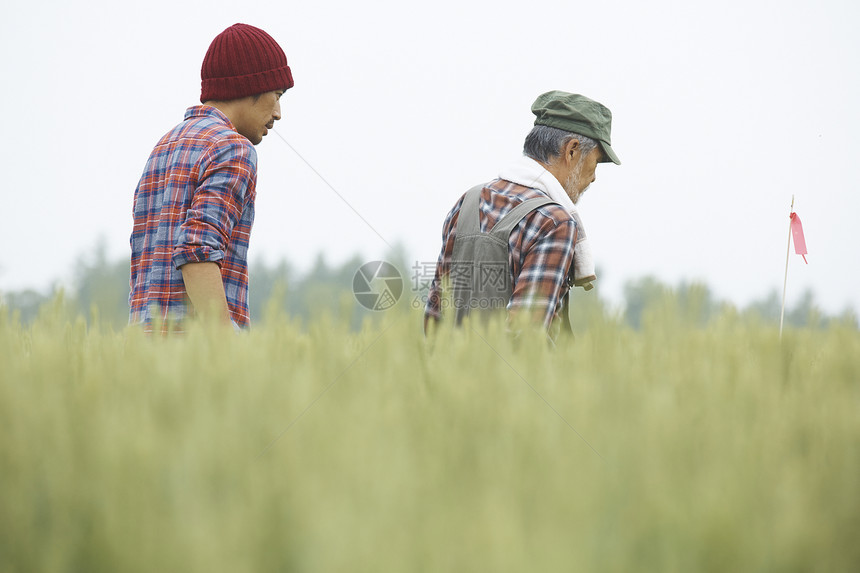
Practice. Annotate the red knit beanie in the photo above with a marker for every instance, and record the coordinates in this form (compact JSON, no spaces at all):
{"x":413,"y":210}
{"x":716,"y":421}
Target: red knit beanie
{"x":243,"y":61}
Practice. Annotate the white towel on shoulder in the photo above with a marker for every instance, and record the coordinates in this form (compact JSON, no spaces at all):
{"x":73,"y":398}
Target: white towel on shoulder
{"x":529,"y":173}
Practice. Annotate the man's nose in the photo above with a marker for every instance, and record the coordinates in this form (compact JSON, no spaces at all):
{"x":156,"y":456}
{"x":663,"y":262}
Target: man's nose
{"x":276,"y":113}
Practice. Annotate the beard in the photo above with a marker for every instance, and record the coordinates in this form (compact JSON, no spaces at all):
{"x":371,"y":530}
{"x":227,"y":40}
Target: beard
{"x":571,"y":187}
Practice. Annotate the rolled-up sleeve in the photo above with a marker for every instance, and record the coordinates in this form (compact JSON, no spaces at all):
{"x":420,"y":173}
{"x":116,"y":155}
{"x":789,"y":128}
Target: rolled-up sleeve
{"x":225,"y":183}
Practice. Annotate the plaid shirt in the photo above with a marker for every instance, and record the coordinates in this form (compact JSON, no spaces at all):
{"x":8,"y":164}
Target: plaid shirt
{"x":194,"y":203}
{"x":540,"y":246}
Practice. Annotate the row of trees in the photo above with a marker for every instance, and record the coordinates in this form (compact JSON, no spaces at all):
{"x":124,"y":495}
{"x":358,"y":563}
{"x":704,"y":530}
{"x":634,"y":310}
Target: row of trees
{"x":100,"y":292}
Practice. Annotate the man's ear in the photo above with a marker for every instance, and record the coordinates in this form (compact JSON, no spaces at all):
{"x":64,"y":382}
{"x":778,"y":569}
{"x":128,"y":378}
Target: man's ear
{"x":571,"y":149}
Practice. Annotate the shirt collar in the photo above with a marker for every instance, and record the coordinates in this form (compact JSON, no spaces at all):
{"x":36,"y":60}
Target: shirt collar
{"x":208,"y":111}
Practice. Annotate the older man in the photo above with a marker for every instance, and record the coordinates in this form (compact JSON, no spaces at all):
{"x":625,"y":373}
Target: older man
{"x":194,"y":204}
{"x":517,"y":242}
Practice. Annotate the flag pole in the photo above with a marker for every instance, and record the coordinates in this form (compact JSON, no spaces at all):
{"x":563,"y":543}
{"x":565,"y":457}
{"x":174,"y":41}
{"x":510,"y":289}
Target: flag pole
{"x":785,"y":281}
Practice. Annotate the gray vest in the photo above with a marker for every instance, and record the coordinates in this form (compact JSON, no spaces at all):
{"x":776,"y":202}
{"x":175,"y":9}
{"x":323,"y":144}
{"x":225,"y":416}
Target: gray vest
{"x":480,"y":272}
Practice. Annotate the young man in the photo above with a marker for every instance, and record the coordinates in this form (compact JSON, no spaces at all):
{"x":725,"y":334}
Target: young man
{"x":194,"y":204}
{"x":517,"y":242}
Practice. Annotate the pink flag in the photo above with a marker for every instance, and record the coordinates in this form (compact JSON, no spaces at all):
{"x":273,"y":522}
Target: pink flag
{"x":797,"y":235}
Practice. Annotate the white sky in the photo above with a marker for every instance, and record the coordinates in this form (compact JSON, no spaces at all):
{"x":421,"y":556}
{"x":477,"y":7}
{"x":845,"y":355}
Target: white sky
{"x":721,"y":111}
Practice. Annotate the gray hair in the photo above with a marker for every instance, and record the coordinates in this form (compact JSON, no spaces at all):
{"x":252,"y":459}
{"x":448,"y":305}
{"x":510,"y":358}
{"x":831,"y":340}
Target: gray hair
{"x":544,"y":143}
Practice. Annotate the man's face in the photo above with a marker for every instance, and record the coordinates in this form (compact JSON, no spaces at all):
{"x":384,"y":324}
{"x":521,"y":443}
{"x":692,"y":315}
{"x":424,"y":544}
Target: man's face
{"x":257,"y":115}
{"x":582,"y":173}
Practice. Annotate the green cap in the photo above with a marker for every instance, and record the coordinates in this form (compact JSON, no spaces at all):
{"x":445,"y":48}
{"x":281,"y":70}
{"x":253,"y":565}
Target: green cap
{"x":577,"y":114}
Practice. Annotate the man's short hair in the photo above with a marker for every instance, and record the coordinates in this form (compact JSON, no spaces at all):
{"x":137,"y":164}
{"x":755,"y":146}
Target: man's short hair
{"x":545,"y":143}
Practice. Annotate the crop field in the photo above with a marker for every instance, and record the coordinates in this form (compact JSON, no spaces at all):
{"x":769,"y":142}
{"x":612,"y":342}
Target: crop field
{"x":318,"y":447}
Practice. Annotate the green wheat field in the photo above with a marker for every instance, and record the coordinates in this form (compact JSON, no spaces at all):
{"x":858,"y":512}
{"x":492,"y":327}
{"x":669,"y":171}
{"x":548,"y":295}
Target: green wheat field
{"x":318,"y":447}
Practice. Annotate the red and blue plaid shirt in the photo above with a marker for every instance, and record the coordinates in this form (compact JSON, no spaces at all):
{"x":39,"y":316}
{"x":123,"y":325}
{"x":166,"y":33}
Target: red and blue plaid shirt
{"x":194,"y":203}
{"x":540,"y":247}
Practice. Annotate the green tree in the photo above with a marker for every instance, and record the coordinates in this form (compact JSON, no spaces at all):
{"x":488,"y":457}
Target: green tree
{"x":102,"y":287}
{"x":641,"y":294}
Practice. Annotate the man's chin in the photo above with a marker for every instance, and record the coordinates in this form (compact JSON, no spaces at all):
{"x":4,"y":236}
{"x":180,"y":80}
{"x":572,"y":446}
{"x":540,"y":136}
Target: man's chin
{"x":573,"y":183}
{"x":575,"y":196}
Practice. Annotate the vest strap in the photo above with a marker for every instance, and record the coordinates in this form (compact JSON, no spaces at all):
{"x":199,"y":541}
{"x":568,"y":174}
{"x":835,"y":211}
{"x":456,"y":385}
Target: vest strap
{"x":469,"y":218}
{"x":506,"y":224}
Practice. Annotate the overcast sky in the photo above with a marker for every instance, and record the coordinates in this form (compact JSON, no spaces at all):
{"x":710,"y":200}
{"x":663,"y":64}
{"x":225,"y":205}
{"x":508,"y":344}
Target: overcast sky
{"x":721,"y":112}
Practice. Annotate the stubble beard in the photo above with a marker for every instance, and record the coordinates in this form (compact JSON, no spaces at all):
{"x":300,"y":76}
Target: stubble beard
{"x":571,"y":187}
